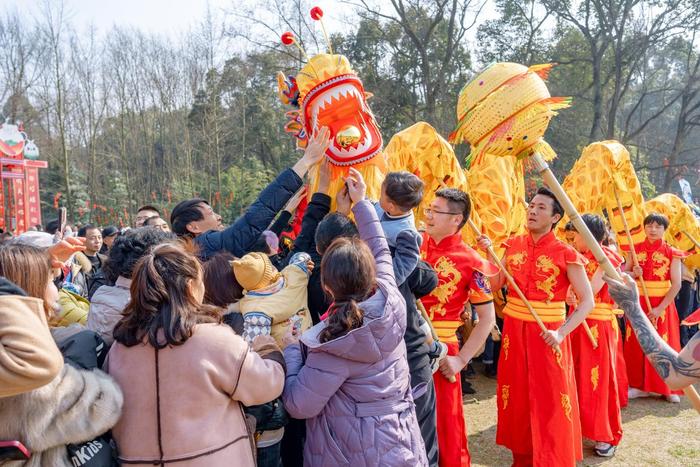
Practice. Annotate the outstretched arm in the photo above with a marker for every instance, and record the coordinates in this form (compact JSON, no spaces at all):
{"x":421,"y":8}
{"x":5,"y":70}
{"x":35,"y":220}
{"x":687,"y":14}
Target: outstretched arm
{"x":678,"y":370}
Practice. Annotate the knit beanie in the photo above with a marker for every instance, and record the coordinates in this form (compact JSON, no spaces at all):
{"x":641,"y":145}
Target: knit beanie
{"x":254,"y":271}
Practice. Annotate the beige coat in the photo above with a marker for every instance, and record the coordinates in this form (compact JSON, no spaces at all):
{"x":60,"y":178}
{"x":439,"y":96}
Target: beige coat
{"x":29,"y":357}
{"x":202,"y":384}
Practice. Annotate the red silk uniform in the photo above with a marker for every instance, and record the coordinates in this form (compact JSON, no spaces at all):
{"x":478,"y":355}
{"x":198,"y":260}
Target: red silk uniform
{"x":461,"y":273}
{"x":596,"y":369}
{"x":538,"y":416}
{"x":655,"y":260}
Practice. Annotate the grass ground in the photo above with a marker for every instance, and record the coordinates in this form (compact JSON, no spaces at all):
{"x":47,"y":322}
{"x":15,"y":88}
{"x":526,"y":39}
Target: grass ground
{"x":655,"y":432}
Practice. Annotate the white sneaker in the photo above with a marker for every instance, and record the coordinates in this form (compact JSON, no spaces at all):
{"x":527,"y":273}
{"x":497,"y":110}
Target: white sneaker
{"x":673,"y":398}
{"x":633,"y":393}
{"x":604,"y":449}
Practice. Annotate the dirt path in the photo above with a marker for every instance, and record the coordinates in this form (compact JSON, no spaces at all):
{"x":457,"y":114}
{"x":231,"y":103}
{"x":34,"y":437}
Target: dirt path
{"x":655,"y":432}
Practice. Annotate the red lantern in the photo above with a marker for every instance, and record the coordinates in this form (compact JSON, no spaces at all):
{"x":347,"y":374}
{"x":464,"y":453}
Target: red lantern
{"x":288,"y":38}
{"x":316,"y":13}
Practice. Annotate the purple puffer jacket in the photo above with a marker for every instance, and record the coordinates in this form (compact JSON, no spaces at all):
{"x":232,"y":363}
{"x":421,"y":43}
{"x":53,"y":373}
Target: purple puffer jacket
{"x":355,"y":390}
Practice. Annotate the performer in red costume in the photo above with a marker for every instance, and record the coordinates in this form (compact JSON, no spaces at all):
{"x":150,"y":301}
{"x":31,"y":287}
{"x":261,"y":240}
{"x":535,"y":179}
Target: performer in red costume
{"x":462,"y":275}
{"x":538,"y":417}
{"x":597,"y":368}
{"x":660,"y":267}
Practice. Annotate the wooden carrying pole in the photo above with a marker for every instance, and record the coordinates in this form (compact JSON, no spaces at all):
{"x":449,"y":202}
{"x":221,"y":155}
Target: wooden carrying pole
{"x":514,"y":286}
{"x":589,"y":333}
{"x":423,"y":312}
{"x":633,"y":253}
{"x":692,"y":239}
{"x":543,"y":169}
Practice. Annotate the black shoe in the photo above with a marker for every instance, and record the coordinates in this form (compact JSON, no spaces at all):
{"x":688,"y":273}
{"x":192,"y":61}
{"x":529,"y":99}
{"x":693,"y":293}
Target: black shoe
{"x":490,"y":370}
{"x":469,"y":372}
{"x":467,"y":388}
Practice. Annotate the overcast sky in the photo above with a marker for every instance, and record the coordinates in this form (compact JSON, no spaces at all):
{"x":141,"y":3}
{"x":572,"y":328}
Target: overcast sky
{"x":160,"y":16}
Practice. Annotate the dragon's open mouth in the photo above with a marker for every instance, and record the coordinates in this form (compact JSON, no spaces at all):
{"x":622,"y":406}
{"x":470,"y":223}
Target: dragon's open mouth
{"x":340,"y":104}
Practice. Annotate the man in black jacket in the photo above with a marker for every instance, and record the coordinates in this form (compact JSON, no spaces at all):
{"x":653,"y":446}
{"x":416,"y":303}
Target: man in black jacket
{"x":196,"y":219}
{"x":419,"y":283}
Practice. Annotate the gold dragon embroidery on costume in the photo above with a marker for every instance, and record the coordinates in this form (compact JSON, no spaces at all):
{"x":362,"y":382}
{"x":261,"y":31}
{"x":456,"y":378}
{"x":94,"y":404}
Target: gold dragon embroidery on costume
{"x":594,"y":377}
{"x":594,"y":332}
{"x":545,"y":266}
{"x":591,"y":268}
{"x":506,"y":346}
{"x":448,"y":272}
{"x":661,"y":265}
{"x":514,"y":261}
{"x":642,"y":257}
{"x":557,"y":357}
{"x":566,"y":405}
{"x":505,"y":395}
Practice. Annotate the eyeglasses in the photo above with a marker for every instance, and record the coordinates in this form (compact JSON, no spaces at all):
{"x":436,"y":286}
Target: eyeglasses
{"x":429,"y":212}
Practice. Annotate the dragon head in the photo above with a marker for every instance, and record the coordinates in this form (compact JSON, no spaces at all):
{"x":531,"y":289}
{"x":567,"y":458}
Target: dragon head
{"x":329,"y":93}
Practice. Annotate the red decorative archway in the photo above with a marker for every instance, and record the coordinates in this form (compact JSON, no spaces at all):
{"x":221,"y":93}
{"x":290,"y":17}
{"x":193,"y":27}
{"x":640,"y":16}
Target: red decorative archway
{"x":20,"y":206}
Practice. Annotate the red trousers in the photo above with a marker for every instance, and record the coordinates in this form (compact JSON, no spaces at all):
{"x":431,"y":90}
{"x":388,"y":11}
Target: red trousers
{"x":538,"y":416}
{"x":597,"y":382}
{"x":451,"y":428}
{"x":621,"y":370}
{"x":640,"y":373}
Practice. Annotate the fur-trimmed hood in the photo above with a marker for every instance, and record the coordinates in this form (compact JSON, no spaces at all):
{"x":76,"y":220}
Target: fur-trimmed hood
{"x":77,"y":406}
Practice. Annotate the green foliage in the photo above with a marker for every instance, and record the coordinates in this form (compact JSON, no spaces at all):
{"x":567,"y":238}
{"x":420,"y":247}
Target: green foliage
{"x":157,"y":121}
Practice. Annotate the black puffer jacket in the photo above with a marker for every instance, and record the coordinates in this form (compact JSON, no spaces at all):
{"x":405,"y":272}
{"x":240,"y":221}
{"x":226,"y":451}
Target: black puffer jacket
{"x":240,"y":236}
{"x":420,"y":282}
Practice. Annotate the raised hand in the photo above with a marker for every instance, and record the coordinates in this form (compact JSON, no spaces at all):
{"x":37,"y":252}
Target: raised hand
{"x":324,"y":177}
{"x":356,"y":185}
{"x":624,"y":293}
{"x":483,"y":242}
{"x":342,"y":201}
{"x":294,"y":201}
{"x":62,"y":251}
{"x":314,"y":152}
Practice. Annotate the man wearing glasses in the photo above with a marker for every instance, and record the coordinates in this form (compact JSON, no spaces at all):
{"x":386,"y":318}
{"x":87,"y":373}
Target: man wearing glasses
{"x":462,"y":279}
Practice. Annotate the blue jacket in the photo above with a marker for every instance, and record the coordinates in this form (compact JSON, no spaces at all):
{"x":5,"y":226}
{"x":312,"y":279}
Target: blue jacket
{"x":239,"y":237}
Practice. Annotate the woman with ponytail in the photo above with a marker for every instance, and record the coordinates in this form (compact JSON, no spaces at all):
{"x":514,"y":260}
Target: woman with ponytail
{"x":184,"y":374}
{"x":348,"y":375}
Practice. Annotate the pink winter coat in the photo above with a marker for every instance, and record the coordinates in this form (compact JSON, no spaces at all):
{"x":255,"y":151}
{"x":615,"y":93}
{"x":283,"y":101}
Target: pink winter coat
{"x":202,"y":385}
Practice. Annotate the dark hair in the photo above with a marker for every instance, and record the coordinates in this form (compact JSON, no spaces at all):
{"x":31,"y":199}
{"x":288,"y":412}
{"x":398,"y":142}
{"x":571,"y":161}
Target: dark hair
{"x":28,"y":267}
{"x":109,"y":231}
{"x":656,"y":218}
{"x":185,"y":212}
{"x":52,"y":226}
{"x":595,"y":224}
{"x":162,"y":301}
{"x":556,"y":206}
{"x":129,"y":247}
{"x":334,"y":225}
{"x":403,"y":189}
{"x":148,"y":207}
{"x":457,"y":199}
{"x":220,"y":285}
{"x":84,"y":229}
{"x":348,"y":273}
{"x":570,"y":227}
{"x":152,"y":218}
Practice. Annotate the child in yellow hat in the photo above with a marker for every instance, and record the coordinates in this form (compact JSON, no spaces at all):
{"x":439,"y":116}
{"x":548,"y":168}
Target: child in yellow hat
{"x":274,"y":301}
